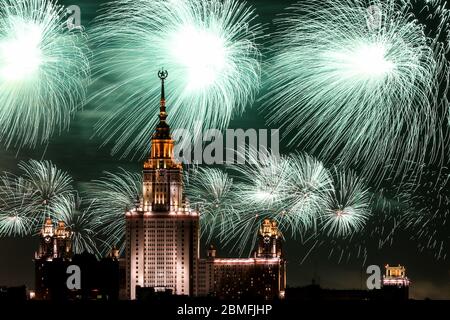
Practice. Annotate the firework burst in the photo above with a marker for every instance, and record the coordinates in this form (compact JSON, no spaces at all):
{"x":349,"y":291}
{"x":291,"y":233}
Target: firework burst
{"x":79,"y":217}
{"x":292,"y":190}
{"x":13,"y":224}
{"x":349,"y":208}
{"x":43,"y":71}
{"x":14,"y":220}
{"x":44,"y":185}
{"x":368,"y":222}
{"x":377,"y":232}
{"x":264,"y":183}
{"x":211,"y":191}
{"x":261,"y":191}
{"x":112,"y":196}
{"x":28,"y":198}
{"x":308,"y":194}
{"x":357,"y":81}
{"x":435,"y":18}
{"x":207,"y":46}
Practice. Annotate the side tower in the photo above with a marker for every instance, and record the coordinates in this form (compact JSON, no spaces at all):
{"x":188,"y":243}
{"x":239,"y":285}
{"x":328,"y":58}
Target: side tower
{"x":162,"y":233}
{"x":269,"y":240}
{"x":395,"y":283}
{"x":261,"y":276}
{"x":51,"y":259}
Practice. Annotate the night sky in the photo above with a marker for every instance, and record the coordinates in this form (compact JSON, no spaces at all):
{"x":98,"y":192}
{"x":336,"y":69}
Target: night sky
{"x":78,"y":152}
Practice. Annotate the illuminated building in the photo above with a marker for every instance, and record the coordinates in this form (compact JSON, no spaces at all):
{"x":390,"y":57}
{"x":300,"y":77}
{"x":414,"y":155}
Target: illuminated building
{"x":395,"y":276}
{"x":99,"y":280}
{"x":396,"y":283}
{"x":263,"y":275}
{"x":55,"y":242}
{"x":395,"y":287}
{"x":162,"y":233}
{"x":55,"y":250}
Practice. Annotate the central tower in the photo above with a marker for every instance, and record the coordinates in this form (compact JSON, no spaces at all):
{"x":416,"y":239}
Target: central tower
{"x":163,"y":176}
{"x":162,"y":232}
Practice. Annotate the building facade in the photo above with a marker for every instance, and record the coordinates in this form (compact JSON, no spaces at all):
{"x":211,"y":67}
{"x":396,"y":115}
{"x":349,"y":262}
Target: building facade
{"x":261,"y":276}
{"x":162,"y":232}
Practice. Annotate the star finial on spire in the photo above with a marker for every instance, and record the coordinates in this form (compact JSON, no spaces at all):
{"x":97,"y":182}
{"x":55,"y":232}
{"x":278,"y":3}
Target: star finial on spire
{"x":162,"y":74}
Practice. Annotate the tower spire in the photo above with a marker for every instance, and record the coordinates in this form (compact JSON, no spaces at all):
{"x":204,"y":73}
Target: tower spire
{"x":162,"y":129}
{"x":162,"y":74}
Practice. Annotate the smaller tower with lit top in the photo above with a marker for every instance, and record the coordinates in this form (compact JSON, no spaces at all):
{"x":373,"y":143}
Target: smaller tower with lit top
{"x":54,"y":253}
{"x":261,"y":276}
{"x":56,"y":242}
{"x":269,"y":240}
{"x":396,"y":283}
{"x":100,"y":279}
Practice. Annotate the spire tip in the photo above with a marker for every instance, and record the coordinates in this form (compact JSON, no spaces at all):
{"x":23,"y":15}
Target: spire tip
{"x":162,"y":74}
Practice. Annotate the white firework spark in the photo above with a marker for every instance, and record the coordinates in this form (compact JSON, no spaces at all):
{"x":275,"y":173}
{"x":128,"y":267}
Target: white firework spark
{"x":349,"y":208}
